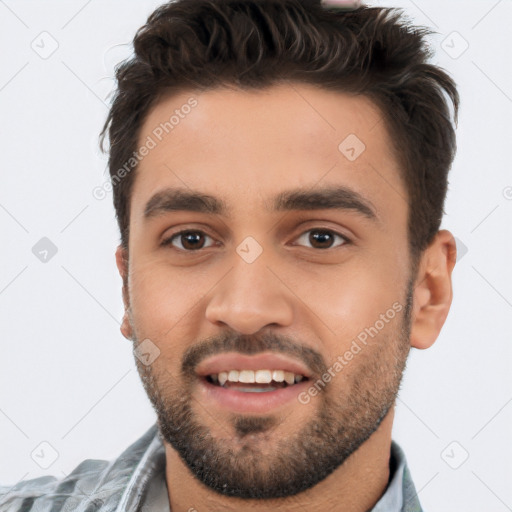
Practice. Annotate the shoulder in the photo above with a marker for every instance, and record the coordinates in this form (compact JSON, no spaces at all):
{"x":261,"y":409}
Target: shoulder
{"x":50,"y":493}
{"x":94,"y":485}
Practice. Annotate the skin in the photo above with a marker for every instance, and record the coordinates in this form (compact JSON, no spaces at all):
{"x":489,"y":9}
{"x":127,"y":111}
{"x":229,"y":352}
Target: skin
{"x":245,"y":147}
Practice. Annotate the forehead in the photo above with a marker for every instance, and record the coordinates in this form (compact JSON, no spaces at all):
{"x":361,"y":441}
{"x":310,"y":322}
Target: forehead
{"x":245,"y":146}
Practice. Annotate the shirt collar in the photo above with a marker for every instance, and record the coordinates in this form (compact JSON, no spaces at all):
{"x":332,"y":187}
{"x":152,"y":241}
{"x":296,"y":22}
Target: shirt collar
{"x":392,"y":499}
{"x":147,"y":486}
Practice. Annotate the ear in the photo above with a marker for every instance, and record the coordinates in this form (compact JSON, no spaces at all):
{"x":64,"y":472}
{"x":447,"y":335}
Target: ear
{"x":122,"y":266}
{"x":433,"y":290}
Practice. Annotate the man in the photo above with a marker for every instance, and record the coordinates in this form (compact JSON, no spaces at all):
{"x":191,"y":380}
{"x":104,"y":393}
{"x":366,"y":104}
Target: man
{"x":279,"y":170}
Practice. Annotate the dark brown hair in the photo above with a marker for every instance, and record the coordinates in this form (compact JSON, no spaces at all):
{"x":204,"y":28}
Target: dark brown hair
{"x":372,"y":51}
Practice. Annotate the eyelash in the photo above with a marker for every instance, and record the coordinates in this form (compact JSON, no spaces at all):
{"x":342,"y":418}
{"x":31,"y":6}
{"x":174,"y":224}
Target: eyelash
{"x":168,"y":241}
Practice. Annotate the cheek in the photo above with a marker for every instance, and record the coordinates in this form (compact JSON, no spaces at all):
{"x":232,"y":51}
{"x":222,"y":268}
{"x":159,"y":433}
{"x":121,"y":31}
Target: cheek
{"x":351,"y":297}
{"x":162,"y":299}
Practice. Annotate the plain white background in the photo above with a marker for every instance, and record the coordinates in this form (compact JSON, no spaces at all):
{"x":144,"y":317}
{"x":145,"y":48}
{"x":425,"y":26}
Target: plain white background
{"x":67,"y":375}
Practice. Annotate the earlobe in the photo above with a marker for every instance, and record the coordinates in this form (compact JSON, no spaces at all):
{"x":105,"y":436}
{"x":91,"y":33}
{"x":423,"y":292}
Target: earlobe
{"x":433,"y":290}
{"x":122,"y":266}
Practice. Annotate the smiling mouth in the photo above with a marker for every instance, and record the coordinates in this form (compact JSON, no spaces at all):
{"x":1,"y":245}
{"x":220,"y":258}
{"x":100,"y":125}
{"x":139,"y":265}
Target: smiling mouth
{"x":255,"y":381}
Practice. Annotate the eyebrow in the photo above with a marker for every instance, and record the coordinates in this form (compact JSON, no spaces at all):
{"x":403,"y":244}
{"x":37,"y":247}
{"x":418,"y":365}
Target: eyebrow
{"x":329,"y":198}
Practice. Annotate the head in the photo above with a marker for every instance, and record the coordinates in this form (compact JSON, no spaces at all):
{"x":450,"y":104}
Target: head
{"x":279,"y":171}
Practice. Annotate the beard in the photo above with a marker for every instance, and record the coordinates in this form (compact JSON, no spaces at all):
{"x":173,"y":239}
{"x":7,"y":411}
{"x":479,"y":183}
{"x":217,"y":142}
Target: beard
{"x":251,"y":459}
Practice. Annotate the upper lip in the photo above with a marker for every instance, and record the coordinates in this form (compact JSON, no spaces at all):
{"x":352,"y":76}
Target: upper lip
{"x":235,"y":361}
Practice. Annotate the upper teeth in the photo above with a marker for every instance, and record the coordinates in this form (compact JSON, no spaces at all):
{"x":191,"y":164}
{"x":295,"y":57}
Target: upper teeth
{"x":258,"y":376}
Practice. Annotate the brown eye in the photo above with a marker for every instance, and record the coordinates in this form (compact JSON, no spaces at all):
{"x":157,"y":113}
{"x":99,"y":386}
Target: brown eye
{"x":322,"y":238}
{"x":188,"y":240}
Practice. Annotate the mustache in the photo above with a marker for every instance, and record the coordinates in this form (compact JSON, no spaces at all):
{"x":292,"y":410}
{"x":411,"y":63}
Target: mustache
{"x":251,"y":345}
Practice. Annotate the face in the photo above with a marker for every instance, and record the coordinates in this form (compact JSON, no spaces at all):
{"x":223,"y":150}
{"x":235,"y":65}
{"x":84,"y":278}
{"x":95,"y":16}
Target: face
{"x":269,"y":281}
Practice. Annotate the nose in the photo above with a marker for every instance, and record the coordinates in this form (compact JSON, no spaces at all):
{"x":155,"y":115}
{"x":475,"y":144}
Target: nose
{"x":249,"y":298}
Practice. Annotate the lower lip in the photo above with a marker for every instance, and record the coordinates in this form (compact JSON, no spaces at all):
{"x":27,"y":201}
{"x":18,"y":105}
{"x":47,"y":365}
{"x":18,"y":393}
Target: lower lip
{"x":247,"y":402}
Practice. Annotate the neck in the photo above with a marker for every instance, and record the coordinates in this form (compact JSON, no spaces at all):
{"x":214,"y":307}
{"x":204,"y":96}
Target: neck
{"x":355,"y":486}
